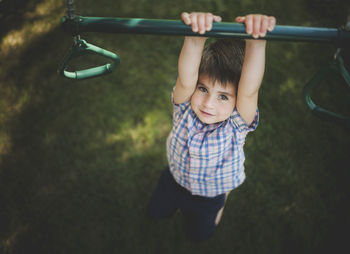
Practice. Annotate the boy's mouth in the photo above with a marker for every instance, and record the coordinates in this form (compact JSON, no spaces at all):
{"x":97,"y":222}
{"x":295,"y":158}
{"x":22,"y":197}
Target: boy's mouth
{"x":206,"y":113}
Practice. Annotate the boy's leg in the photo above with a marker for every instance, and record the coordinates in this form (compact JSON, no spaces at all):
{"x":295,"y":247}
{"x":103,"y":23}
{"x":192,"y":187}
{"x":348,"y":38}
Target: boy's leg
{"x":201,"y":214}
{"x":219,"y":214}
{"x":163,"y":202}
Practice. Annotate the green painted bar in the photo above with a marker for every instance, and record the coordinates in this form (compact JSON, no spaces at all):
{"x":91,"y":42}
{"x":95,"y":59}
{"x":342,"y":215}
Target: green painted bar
{"x":222,"y":29}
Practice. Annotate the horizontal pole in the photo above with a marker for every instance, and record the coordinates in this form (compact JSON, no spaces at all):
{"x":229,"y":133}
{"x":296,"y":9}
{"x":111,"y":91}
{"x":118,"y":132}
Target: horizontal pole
{"x":220,"y":29}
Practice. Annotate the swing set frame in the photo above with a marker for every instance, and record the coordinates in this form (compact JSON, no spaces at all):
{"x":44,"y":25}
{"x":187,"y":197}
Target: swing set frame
{"x":74,"y":25}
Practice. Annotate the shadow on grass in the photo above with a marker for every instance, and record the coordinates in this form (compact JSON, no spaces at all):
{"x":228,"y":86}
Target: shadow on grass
{"x":69,"y":181}
{"x":12,"y":14}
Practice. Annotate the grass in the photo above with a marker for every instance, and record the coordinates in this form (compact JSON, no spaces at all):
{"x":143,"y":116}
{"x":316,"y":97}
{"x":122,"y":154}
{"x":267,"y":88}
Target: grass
{"x":79,"y":160}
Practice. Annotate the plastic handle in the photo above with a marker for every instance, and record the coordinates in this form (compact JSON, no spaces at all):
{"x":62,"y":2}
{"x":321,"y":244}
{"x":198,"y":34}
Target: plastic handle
{"x":316,"y":81}
{"x":82,"y":47}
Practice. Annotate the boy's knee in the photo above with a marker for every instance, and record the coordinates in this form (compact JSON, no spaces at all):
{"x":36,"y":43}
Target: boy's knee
{"x":200,"y":229}
{"x":160,"y":209}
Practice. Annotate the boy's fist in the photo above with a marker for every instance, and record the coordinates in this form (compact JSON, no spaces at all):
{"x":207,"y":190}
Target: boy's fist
{"x":199,"y":21}
{"x":257,"y":25}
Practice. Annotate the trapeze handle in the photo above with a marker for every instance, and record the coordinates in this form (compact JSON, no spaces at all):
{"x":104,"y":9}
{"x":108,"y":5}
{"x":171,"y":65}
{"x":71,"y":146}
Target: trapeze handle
{"x":316,"y":81}
{"x":82,"y":47}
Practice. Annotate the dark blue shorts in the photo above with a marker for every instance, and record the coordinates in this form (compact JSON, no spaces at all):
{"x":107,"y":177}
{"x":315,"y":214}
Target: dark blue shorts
{"x":200,"y":212}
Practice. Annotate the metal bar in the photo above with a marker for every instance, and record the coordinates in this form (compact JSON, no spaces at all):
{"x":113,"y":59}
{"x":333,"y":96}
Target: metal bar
{"x":222,"y":29}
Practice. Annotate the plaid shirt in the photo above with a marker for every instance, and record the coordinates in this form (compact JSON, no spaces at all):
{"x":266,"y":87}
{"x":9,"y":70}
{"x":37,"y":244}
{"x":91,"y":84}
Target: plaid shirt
{"x":207,"y":159}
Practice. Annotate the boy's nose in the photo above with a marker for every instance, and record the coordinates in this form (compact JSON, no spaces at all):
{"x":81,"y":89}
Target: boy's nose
{"x":208,"y":102}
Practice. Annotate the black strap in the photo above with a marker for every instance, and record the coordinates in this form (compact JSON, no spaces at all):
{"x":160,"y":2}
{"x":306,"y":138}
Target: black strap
{"x":70,"y":9}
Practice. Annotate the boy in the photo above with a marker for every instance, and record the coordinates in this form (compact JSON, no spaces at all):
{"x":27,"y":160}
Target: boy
{"x":215,"y":106}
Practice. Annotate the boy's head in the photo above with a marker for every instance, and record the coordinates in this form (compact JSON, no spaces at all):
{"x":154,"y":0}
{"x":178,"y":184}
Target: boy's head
{"x":222,"y":61}
{"x":220,"y":70}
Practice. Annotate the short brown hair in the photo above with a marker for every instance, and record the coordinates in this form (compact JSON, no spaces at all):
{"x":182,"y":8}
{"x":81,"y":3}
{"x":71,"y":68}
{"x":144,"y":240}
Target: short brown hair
{"x":222,"y":61}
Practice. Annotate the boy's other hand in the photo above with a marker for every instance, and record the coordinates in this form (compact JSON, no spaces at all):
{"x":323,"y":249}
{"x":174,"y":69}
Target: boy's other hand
{"x":257,"y":25}
{"x":199,"y":21}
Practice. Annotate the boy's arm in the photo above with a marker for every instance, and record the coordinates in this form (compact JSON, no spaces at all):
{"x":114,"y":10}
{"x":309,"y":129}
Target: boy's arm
{"x":188,"y":65}
{"x":251,"y":77}
{"x":191,"y":54}
{"x":253,"y":66}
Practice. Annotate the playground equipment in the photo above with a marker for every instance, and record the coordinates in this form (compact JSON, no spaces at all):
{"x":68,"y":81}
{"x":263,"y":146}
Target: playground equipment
{"x":74,"y":25}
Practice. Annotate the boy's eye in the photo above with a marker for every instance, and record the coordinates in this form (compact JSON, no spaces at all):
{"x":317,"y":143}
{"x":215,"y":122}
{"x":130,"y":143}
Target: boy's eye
{"x":202,"y":89}
{"x":223,"y":97}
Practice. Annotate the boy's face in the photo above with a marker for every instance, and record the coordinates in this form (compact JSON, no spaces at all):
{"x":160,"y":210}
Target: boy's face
{"x":211,"y":102}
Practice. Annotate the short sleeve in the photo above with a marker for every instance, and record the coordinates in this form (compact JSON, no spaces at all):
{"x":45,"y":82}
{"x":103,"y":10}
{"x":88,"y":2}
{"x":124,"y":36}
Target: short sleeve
{"x":178,"y":109}
{"x":239,"y":123}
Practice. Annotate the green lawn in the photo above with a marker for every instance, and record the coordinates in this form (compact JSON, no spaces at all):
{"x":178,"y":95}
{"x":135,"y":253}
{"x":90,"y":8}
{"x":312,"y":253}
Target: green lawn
{"x":80,"y":159}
